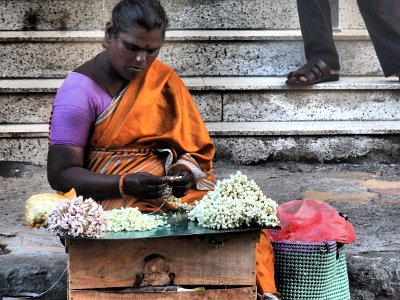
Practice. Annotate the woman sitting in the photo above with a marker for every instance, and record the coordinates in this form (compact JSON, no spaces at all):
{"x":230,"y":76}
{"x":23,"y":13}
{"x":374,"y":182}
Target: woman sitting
{"x":124,"y":126}
{"x":123,"y":120}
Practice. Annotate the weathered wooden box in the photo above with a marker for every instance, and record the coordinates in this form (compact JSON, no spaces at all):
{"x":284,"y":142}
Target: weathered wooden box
{"x":149,"y":265}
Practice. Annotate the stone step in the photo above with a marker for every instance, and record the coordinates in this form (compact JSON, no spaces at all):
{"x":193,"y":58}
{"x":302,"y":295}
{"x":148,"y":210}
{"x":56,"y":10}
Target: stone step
{"x":314,"y":141}
{"x":233,"y":99}
{"x":229,"y":129}
{"x":252,"y":142}
{"x":302,"y":128}
{"x":183,"y":14}
{"x":44,"y":54}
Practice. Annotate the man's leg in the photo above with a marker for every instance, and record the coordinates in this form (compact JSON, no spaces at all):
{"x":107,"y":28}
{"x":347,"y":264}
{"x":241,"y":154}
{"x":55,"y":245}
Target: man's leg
{"x":320,"y":50}
{"x":316,"y":29}
{"x":382,"y":18}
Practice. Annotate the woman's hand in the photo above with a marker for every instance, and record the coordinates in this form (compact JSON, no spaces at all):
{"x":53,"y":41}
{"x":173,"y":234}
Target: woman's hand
{"x":183,"y":183}
{"x":144,"y":185}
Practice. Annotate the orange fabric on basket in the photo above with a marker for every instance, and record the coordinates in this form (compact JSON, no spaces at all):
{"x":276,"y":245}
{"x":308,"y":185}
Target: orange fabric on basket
{"x":155,"y":111}
{"x":265,"y":264}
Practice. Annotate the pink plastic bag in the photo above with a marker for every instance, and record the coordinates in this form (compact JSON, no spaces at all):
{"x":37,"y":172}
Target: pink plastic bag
{"x":311,"y":220}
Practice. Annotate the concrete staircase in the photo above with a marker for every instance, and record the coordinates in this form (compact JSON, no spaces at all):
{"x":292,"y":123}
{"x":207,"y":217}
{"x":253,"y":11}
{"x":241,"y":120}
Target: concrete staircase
{"x":233,"y":57}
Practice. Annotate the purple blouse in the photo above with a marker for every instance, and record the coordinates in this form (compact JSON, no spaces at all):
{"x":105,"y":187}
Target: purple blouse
{"x":77,"y":104}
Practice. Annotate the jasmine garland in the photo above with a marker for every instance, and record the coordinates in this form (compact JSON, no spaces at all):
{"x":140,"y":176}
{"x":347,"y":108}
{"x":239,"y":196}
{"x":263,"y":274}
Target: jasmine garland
{"x":131,"y":219}
{"x":235,"y":202}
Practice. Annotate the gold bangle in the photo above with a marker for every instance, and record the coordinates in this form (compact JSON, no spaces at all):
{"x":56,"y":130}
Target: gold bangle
{"x":121,"y":185}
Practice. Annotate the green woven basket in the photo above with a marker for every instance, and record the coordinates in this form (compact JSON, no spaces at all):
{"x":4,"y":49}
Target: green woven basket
{"x":312,"y":271}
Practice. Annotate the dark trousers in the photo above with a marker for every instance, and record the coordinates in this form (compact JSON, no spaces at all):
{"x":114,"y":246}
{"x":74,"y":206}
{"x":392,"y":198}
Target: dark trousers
{"x":382,"y":19}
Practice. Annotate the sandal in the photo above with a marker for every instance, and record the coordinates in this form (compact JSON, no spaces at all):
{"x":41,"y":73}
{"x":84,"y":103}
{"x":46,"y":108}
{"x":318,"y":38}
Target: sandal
{"x":315,"y":70}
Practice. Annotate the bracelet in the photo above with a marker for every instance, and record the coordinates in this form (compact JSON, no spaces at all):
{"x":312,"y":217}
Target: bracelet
{"x":121,"y":185}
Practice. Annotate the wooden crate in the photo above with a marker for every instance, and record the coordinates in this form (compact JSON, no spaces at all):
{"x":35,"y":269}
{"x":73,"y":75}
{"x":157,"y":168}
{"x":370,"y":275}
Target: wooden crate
{"x":104,"y":268}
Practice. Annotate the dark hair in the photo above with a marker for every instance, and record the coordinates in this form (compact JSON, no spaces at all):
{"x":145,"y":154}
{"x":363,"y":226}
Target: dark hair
{"x":139,"y":13}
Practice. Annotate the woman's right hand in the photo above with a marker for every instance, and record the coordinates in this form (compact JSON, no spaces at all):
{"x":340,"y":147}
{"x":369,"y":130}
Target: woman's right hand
{"x":144,"y":185}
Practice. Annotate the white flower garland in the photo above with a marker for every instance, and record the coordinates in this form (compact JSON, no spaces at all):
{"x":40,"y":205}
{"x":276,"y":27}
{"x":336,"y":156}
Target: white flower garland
{"x":131,"y":219}
{"x":235,"y":202}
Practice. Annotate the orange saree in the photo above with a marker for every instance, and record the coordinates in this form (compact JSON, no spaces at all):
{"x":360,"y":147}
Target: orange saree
{"x":152,"y":125}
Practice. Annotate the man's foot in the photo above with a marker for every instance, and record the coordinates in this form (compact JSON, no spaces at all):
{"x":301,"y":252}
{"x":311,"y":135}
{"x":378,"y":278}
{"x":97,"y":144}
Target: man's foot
{"x":398,"y":75}
{"x":313,"y":72}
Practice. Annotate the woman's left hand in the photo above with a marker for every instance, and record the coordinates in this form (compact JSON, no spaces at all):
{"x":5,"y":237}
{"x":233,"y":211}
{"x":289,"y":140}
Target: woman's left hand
{"x":184,"y":182}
